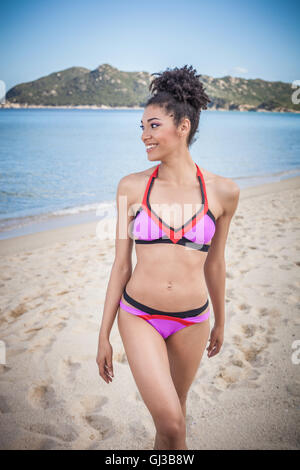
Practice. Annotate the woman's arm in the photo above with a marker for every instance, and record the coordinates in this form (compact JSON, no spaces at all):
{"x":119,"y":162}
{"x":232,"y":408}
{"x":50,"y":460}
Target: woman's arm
{"x":122,"y":266}
{"x":214,"y":267}
{"x":120,"y":274}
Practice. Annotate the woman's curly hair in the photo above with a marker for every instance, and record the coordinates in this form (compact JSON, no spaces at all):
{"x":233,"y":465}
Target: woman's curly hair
{"x":180,"y":91}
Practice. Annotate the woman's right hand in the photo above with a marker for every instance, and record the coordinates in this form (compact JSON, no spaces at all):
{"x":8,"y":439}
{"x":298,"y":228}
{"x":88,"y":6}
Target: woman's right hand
{"x":104,"y":360}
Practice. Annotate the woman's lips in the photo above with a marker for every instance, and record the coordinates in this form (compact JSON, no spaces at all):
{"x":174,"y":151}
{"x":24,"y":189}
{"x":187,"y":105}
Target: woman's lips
{"x":152,"y":148}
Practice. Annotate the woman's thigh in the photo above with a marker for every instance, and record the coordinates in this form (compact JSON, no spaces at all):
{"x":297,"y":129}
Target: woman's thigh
{"x":185,"y":349}
{"x":148,"y":360}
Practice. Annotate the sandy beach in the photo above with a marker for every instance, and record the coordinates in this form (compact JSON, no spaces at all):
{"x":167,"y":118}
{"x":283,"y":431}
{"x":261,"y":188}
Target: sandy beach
{"x":53,"y":286}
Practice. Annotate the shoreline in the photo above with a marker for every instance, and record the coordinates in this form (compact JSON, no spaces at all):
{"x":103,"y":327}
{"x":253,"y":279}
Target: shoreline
{"x":239,"y":108}
{"x":78,"y":229}
{"x":12,"y":227}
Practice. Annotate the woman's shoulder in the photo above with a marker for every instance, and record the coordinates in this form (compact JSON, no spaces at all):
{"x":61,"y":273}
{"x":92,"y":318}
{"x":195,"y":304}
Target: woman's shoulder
{"x":222,"y":185}
{"x":133,"y":183}
{"x":225,"y":190}
{"x":138,"y":175}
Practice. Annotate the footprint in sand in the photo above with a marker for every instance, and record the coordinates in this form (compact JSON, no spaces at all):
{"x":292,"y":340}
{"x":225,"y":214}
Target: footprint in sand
{"x":261,"y":329}
{"x":203,"y":393}
{"x":252,"y":378}
{"x":93,"y":406}
{"x":230,"y":375}
{"x":249,"y":354}
{"x":138,"y":433}
{"x":294,"y":389}
{"x":51,"y":444}
{"x":62,"y":431}
{"x":230,"y":293}
{"x":244,"y":306}
{"x":249,"y":330}
{"x":42,"y":396}
{"x":235,"y":368}
{"x":59,"y":326}
{"x":68,"y":368}
{"x":273,"y":313}
{"x":33,"y":332}
{"x":63,"y":292}
{"x":43,"y":345}
{"x":101,"y":424}
{"x":120,"y":356}
{"x":18,"y":311}
{"x":270,"y":335}
{"x":4,"y":368}
{"x":92,"y":402}
{"x":237,"y":339}
{"x":4,"y":408}
{"x":286,"y":267}
{"x":3,"y":319}
{"x":263,"y":311}
{"x":252,"y":353}
{"x":229,"y":275}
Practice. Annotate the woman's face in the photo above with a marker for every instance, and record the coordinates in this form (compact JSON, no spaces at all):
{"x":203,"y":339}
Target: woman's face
{"x":159,"y":129}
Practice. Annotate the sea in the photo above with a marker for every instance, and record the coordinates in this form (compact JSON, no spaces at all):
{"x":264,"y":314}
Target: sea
{"x":61,"y":167}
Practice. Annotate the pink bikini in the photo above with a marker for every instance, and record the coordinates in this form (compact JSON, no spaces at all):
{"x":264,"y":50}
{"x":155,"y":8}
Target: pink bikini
{"x":196,"y":233}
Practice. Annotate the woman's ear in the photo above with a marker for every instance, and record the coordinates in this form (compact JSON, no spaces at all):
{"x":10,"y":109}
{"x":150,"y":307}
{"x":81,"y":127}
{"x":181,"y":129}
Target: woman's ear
{"x":184,"y":127}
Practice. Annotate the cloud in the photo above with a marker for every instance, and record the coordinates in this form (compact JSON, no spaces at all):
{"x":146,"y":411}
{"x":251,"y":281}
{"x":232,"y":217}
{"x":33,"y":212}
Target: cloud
{"x":238,"y":69}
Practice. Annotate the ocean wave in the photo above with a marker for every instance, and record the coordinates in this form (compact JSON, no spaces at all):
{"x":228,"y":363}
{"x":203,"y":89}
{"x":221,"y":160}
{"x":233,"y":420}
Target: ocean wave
{"x":291,"y":172}
{"x":99,"y":206}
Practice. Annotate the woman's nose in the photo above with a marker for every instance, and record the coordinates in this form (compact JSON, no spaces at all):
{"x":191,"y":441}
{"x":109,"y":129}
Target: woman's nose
{"x":145,"y":136}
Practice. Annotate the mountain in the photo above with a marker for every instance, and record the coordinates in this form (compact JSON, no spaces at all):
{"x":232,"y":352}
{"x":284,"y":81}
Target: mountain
{"x":253,"y":94}
{"x":106,"y":86}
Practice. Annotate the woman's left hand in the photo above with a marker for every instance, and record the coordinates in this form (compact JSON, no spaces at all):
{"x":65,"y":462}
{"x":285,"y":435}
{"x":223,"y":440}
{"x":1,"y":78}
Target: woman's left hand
{"x":215,"y":341}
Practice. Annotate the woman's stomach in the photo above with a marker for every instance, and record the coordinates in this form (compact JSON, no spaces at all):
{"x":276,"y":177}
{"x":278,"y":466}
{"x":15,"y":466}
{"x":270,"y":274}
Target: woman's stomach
{"x":171,"y":283}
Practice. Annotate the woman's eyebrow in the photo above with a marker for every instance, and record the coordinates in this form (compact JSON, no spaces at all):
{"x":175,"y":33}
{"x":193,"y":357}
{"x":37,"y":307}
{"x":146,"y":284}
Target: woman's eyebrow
{"x":151,"y":119}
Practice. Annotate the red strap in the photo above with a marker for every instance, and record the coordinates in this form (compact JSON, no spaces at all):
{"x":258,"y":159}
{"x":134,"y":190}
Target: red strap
{"x":170,"y":233}
{"x":183,"y":321}
{"x":155,"y":172}
{"x":153,"y":175}
{"x":203,"y":184}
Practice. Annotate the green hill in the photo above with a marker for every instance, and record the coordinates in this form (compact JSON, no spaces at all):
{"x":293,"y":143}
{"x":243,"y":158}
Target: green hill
{"x":108,"y":86}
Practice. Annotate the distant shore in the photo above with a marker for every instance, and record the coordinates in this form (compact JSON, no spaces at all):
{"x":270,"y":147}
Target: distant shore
{"x":241,"y":108}
{"x":33,"y":106}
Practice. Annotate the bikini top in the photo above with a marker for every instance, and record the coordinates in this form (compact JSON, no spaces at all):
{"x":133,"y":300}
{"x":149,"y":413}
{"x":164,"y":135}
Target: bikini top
{"x":196,"y":233}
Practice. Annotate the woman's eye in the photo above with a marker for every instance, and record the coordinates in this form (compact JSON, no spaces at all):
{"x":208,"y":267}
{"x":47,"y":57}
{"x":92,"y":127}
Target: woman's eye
{"x":153,"y":124}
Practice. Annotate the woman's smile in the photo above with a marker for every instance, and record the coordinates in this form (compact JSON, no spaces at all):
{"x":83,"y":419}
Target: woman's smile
{"x":151,"y":148}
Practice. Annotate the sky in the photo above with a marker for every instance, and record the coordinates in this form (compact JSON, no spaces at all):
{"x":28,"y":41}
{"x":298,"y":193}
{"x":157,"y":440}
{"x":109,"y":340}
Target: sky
{"x":248,"y":39}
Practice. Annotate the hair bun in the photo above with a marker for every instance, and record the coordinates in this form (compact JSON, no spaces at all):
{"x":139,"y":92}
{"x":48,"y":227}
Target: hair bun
{"x":183,"y":84}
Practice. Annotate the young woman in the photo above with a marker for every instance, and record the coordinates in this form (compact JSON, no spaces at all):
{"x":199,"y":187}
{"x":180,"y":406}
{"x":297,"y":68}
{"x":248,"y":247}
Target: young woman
{"x":163,"y":304}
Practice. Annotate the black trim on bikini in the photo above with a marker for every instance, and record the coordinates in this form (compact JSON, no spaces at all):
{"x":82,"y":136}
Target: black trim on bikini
{"x":152,"y":311}
{"x":190,"y":220}
{"x":183,"y":241}
{"x":211,"y":215}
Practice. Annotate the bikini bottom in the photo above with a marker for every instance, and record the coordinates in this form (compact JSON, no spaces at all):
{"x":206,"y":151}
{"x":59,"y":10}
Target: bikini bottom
{"x":166,"y":323}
